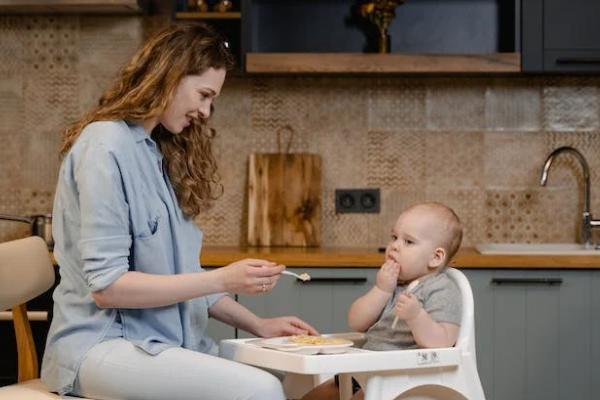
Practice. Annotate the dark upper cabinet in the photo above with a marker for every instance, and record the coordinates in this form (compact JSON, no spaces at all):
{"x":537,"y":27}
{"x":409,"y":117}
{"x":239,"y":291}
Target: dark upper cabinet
{"x":561,"y":36}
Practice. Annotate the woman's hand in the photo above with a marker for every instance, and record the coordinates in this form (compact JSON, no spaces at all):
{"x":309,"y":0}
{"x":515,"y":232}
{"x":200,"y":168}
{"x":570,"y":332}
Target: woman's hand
{"x":387,"y":276}
{"x":407,"y":306}
{"x":250,"y":276}
{"x":284,"y":326}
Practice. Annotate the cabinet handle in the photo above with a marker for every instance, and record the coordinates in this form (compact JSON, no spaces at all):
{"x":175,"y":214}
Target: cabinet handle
{"x":334,"y":280}
{"x":527,"y":281}
{"x":577,"y":60}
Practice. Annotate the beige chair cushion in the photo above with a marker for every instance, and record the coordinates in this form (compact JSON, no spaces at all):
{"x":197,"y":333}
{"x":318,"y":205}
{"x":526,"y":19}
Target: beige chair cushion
{"x":31,"y":390}
{"x":25,"y":271}
{"x":28,"y":390}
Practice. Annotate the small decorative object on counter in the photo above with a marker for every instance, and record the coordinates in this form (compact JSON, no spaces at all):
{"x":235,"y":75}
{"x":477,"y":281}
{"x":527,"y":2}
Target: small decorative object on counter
{"x":223,"y":6}
{"x":381,"y":13}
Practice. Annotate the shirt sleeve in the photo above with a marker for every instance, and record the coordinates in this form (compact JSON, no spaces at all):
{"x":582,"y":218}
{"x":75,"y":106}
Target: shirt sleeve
{"x":445,"y":304}
{"x":105,"y":238}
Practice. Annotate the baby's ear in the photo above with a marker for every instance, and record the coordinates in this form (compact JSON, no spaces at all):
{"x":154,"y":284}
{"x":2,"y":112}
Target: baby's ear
{"x":438,"y":258}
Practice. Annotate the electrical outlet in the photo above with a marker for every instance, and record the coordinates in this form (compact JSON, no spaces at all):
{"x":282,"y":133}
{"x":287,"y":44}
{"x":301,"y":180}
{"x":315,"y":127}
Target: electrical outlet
{"x":357,"y":200}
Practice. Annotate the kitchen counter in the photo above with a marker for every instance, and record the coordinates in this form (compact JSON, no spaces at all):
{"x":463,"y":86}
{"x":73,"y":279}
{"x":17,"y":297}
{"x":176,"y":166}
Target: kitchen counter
{"x":350,"y":257}
{"x":353,"y":257}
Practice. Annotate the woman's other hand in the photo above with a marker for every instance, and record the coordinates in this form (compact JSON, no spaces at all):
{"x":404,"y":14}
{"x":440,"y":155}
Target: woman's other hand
{"x":250,"y":276}
{"x":284,"y":326}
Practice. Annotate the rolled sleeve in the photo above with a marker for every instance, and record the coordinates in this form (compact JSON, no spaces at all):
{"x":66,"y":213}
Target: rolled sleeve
{"x":105,"y":240}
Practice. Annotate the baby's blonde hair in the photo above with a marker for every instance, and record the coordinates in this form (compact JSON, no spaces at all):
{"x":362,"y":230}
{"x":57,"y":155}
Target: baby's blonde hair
{"x":450,"y":225}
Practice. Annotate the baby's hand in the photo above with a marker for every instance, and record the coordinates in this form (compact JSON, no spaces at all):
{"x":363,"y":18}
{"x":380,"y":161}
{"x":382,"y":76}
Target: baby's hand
{"x":387,"y":276}
{"x":407,"y":306}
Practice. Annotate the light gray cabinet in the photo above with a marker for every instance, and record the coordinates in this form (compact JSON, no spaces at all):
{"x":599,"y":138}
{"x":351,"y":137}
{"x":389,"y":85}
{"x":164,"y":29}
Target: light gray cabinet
{"x":323,"y":301}
{"x":537,"y":333}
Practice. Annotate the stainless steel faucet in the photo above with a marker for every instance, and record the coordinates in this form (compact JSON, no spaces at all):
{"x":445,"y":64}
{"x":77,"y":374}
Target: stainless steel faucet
{"x":588,"y":223}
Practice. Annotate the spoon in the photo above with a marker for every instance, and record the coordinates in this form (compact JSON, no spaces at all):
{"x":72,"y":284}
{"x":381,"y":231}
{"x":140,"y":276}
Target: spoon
{"x":303,"y":276}
{"x":411,"y":288}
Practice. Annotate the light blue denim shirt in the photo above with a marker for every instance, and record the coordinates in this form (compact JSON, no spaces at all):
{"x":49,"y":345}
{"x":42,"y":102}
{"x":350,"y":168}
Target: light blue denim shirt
{"x":115,"y":211}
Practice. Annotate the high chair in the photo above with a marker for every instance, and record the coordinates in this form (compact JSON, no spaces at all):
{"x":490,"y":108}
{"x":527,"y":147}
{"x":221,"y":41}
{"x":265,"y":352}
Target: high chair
{"x":26,"y":271}
{"x":444,"y":373}
{"x":421,"y":378}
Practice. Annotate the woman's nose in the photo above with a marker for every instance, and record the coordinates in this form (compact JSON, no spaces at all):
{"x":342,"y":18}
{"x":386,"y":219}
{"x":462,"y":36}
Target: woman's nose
{"x":204,"y":110}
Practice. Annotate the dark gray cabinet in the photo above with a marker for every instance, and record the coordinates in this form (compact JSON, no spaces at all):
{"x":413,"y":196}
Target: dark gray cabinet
{"x":561,"y":36}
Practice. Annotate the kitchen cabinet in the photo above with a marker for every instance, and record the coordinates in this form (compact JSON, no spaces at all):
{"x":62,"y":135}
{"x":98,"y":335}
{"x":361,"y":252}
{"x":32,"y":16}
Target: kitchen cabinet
{"x":560,"y":36}
{"x":329,"y":36}
{"x":537,"y":332}
{"x":323,"y":301}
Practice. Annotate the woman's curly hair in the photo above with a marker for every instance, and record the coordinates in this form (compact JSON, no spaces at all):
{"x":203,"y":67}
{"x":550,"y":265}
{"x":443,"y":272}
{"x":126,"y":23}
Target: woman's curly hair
{"x":144,"y":88}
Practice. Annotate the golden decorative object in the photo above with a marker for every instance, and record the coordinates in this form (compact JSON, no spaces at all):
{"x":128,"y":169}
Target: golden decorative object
{"x":381,"y":13}
{"x":223,"y":6}
{"x":202,"y":5}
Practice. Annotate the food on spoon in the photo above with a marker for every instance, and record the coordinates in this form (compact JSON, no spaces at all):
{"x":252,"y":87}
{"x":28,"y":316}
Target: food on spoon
{"x":304,"y":276}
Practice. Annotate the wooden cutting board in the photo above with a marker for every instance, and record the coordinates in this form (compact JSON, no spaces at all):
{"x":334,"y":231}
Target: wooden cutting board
{"x":284,"y":199}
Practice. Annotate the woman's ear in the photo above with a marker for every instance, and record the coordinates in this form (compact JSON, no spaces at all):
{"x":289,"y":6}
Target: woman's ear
{"x":438,"y":258}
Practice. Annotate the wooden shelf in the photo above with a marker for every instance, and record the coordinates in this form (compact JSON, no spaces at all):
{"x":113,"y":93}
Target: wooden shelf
{"x":208,"y":15}
{"x":289,"y":63}
{"x":70,"y":7}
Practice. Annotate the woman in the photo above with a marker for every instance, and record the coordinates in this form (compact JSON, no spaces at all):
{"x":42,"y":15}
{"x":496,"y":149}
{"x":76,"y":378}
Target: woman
{"x":133,"y":303}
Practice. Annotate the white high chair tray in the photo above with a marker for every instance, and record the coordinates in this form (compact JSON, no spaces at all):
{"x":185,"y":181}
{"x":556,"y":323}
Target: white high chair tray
{"x":353,"y":360}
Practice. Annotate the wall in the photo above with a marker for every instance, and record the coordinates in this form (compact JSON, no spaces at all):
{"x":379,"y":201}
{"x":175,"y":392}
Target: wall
{"x":475,"y":143}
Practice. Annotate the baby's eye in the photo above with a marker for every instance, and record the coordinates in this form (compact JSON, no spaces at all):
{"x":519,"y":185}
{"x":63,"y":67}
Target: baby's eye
{"x":204,"y":96}
{"x":408,"y":241}
{"x":394,"y":238}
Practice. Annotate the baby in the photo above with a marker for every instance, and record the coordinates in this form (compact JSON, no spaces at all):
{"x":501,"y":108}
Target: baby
{"x":424,"y":240}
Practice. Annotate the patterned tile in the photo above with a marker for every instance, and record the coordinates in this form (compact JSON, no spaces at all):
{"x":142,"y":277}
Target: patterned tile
{"x":11,"y":102}
{"x":531,"y":216}
{"x":513,"y":105}
{"x":455,"y":104}
{"x":513,"y":160}
{"x":454,"y":159}
{"x":105,"y":45}
{"x":571,"y":105}
{"x":336,"y":104}
{"x":396,"y":159}
{"x":12,"y":45}
{"x":277,"y":102}
{"x":396,"y":104}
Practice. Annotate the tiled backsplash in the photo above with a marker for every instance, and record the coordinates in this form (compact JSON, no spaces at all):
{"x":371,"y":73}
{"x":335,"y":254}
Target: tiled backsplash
{"x":474,"y":143}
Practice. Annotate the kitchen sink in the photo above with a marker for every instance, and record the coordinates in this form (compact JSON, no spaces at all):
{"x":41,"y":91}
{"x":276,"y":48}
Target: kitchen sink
{"x":537,"y":249}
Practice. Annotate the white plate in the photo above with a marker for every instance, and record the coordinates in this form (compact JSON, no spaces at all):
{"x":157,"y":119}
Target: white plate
{"x":282,"y":344}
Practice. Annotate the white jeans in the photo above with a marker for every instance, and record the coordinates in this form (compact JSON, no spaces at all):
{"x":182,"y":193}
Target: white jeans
{"x":118,"y":370}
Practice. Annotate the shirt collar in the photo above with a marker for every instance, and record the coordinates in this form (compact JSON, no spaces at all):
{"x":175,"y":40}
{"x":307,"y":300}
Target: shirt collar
{"x":140,"y":135}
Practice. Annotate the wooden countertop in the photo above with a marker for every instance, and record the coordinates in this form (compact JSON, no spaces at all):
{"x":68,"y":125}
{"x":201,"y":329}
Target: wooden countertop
{"x":350,"y":257}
